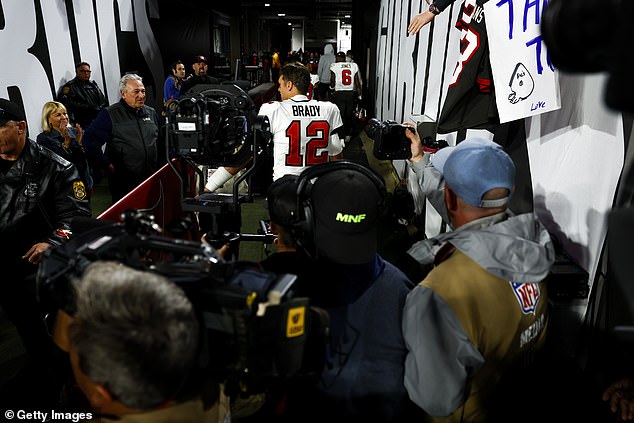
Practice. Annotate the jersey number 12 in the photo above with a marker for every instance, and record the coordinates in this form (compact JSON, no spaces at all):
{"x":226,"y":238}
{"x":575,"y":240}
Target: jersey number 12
{"x":317,"y":133}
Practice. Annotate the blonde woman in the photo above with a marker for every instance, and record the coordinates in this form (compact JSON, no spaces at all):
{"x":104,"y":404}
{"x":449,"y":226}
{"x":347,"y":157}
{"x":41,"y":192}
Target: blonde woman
{"x":63,"y":139}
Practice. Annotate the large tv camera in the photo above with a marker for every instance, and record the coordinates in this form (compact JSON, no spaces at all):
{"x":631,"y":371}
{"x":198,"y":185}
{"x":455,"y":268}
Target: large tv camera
{"x":216,"y":125}
{"x":211,"y":125}
{"x":391,"y":143}
{"x":256,"y":328}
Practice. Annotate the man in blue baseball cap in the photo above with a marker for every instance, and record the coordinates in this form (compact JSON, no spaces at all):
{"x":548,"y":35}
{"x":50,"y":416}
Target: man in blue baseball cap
{"x":480,"y":314}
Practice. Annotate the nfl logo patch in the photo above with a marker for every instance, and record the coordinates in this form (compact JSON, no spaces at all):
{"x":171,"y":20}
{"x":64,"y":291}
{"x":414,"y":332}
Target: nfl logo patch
{"x":527,"y":295}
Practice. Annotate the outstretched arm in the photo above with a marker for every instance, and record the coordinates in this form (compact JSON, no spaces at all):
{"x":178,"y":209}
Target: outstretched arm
{"x":419,"y":21}
{"x":422,"y":19}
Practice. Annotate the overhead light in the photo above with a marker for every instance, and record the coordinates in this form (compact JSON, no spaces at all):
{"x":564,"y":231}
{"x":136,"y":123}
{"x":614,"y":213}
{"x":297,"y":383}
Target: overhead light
{"x":347,"y":16}
{"x":281,"y":14}
{"x":267,"y":4}
{"x":289,"y":24}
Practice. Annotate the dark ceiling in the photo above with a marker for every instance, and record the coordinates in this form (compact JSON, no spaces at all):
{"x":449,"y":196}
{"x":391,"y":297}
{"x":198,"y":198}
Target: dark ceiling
{"x":301,"y":9}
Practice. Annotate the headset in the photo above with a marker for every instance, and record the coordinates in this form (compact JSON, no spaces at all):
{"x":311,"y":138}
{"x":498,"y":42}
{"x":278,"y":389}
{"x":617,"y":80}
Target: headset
{"x":303,"y":228}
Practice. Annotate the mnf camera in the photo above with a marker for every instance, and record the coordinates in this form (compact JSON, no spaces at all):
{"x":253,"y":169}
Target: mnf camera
{"x":256,"y":327}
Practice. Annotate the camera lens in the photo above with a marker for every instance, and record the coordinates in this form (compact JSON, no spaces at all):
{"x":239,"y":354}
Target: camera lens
{"x":373,"y":128}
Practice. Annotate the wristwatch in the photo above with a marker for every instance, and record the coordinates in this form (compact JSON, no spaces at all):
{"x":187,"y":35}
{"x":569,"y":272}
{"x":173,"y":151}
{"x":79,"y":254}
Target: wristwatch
{"x":434,"y":9}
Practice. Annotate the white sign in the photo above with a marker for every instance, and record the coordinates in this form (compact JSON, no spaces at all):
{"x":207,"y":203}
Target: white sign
{"x":526,"y":83}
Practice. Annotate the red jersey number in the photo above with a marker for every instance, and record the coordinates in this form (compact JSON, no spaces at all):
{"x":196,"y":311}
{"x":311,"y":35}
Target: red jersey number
{"x":346,"y":77}
{"x":317,"y":133}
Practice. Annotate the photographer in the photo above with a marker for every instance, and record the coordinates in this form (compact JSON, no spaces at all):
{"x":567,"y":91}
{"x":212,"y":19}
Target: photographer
{"x":134,"y":344}
{"x":363,"y":294}
{"x":488,"y":273}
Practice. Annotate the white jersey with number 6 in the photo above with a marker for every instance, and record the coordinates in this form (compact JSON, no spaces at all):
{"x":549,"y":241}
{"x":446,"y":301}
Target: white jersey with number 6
{"x":302,"y":133}
{"x":344,"y":75}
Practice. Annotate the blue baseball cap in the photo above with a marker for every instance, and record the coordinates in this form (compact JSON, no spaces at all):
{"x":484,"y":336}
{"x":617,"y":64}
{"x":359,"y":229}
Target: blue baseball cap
{"x":474,"y":167}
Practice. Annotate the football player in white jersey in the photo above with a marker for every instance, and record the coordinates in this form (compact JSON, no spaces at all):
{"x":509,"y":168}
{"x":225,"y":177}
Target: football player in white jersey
{"x":305,"y":132}
{"x":344,"y":79}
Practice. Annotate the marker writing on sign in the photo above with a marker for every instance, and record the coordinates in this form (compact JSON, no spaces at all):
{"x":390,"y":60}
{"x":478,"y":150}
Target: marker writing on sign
{"x":529,"y":20}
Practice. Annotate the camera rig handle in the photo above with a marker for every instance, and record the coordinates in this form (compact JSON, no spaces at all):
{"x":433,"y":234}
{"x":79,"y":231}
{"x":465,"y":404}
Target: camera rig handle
{"x":260,"y":127}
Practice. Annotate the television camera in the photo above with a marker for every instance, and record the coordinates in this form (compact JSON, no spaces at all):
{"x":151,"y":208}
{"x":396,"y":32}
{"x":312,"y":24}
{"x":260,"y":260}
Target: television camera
{"x":256,"y":329}
{"x":216,"y":125}
{"x":391,"y":143}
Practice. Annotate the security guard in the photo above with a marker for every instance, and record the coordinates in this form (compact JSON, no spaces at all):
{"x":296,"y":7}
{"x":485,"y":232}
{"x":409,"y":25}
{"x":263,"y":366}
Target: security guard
{"x":41,"y":192}
{"x":82,"y":97}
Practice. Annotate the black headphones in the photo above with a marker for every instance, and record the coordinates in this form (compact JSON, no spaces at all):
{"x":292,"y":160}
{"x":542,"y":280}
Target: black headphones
{"x":304,"y":224}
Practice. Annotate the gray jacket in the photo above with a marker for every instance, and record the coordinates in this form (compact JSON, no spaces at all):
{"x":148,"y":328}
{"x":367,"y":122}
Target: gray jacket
{"x":511,"y":247}
{"x":477,"y":312}
{"x":323,"y":68}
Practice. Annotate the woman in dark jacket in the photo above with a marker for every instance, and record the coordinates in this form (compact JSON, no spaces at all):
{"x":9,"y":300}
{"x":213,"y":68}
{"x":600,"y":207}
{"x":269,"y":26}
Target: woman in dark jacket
{"x":63,"y":139}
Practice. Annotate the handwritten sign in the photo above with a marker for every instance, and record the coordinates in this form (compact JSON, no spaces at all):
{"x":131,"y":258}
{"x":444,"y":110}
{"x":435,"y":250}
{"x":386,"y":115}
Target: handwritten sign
{"x":526,"y":83}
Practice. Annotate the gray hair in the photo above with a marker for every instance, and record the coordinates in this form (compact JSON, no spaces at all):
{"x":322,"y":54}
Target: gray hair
{"x":135,"y":333}
{"x":125,"y":79}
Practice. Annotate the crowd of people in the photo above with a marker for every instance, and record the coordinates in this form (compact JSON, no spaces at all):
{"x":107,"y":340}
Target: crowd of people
{"x":446,"y":348}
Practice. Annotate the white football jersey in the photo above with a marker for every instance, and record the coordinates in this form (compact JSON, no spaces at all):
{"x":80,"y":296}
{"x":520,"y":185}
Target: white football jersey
{"x":302,"y":133}
{"x":344,"y":75}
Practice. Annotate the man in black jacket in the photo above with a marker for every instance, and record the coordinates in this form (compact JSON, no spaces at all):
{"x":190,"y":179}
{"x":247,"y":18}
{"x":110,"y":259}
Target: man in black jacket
{"x":82,"y":97}
{"x":200,"y":76}
{"x":41,"y":192}
{"x":130,"y":130}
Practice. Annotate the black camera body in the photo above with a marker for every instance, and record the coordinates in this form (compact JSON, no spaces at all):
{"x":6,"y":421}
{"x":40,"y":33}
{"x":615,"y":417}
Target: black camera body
{"x":390,"y":141}
{"x":256,"y":327}
{"x":211,"y":125}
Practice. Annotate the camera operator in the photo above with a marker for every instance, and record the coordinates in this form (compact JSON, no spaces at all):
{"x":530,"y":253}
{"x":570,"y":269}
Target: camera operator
{"x":362,"y":293}
{"x":488,"y":273}
{"x":281,"y":202}
{"x":305,"y":132}
{"x":134,"y":344}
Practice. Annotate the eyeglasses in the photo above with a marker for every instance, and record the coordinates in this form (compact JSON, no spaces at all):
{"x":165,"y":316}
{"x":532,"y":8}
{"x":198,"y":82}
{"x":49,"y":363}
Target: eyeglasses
{"x":84,"y":71}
